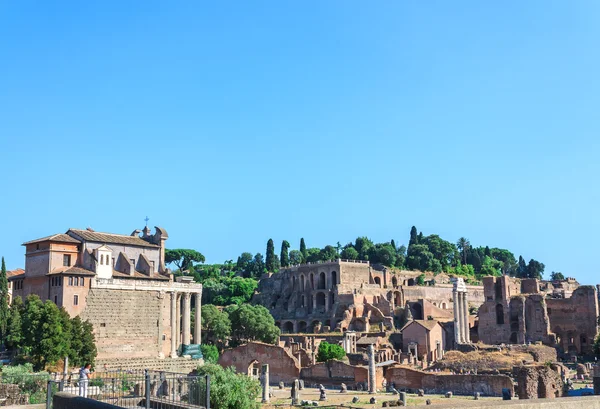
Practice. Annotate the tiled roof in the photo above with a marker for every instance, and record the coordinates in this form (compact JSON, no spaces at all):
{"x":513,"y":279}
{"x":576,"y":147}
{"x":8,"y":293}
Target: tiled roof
{"x":16,"y":272}
{"x":427,"y":324}
{"x":61,"y":237}
{"x":98,"y":237}
{"x":72,"y":271}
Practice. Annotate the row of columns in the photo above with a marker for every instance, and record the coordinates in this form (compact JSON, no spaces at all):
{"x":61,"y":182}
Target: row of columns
{"x":461,"y":312}
{"x":181,"y":323}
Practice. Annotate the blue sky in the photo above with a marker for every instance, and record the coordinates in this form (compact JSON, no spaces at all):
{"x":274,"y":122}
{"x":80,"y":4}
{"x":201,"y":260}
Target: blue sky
{"x":229,"y":123}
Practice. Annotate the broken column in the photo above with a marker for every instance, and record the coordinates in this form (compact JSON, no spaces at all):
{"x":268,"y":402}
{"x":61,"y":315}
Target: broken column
{"x":461,"y":312}
{"x":372,"y":378}
{"x":265,"y":383}
{"x":295,"y":392}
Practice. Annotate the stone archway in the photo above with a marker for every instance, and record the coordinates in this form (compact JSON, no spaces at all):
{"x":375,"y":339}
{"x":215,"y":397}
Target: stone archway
{"x":302,"y":327}
{"x":288,"y":327}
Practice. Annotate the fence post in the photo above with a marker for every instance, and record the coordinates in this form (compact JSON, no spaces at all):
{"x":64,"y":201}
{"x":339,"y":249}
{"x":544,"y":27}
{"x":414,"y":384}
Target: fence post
{"x":207,"y":397}
{"x":147,"y":388}
{"x":49,"y":394}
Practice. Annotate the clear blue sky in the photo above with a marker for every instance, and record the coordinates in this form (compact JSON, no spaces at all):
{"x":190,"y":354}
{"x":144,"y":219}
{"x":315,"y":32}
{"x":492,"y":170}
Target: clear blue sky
{"x":229,"y":123}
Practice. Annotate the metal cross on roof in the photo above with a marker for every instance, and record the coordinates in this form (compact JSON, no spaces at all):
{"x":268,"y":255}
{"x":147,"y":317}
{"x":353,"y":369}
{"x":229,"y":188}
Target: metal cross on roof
{"x":146,"y":219}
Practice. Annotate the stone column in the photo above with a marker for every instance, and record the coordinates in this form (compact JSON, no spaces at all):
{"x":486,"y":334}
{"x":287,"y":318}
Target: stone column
{"x":197,"y":320}
{"x":178,"y":326}
{"x":265,"y":383}
{"x":457,"y":329}
{"x":174,"y":324}
{"x":186,"y":318}
{"x":466,"y":337}
{"x":372,"y":378}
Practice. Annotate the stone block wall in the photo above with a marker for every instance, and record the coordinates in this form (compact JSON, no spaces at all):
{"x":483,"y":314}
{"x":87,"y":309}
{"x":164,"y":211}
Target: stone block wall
{"x":127,"y":323}
{"x":538,"y":381}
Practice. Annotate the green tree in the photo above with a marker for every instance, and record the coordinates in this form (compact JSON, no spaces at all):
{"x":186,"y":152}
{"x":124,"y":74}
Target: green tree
{"x":303,"y":250}
{"x":14,"y":336}
{"x":271,"y":263}
{"x":557,"y":276}
{"x":210,"y":353}
{"x":329,"y":351}
{"x":401,"y":257}
{"x":88,"y":349}
{"x":184,"y":259}
{"x":522,"y":268}
{"x":32,"y":323}
{"x":53,"y":342}
{"x":285,"y":257}
{"x":328,"y":253}
{"x":491,"y":267}
{"x":229,"y":390}
{"x":413,"y":237}
{"x":463,"y":246}
{"x":535,"y":269}
{"x":363,"y":246}
{"x":443,"y":251}
{"x":421,"y":279}
{"x":349,"y":253}
{"x":258,"y":267}
{"x":216,"y":325}
{"x":77,"y":342}
{"x":296,"y":257}
{"x":383,"y":253}
{"x":419,"y":258}
{"x":509,"y":263}
{"x":393,"y":244}
{"x":4,"y":308}
{"x":253,"y":323}
{"x":243,"y":264}
{"x":313,"y":255}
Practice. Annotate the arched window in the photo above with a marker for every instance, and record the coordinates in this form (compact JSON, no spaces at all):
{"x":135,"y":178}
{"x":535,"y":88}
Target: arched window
{"x":333,"y":278}
{"x":322,"y":281}
{"x":378,"y":281}
{"x":499,"y":314}
{"x":320,"y":300}
{"x":101,"y":259}
{"x":302,"y":303}
{"x":302,"y":283}
{"x":288,"y":327}
{"x":312,"y":281}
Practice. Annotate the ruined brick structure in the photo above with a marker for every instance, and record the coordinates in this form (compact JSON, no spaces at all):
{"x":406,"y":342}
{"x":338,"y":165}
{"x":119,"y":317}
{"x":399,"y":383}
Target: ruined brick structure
{"x":516,"y":311}
{"x":538,"y":381}
{"x":351,"y":295}
{"x":121,"y":285}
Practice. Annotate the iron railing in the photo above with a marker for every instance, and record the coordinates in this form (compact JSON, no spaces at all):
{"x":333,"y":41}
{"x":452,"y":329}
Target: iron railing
{"x":137,"y":389}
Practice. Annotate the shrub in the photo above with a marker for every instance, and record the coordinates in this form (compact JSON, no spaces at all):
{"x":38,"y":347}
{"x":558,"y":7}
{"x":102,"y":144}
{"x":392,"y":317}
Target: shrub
{"x":210,"y":353}
{"x":329,"y":351}
{"x":229,"y":390}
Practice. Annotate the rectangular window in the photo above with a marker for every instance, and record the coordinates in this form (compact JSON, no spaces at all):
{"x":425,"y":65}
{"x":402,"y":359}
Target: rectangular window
{"x":75,"y":300}
{"x":56,"y":299}
{"x":70,"y":280}
{"x":67,"y":260}
{"x":113,"y":262}
{"x":82,"y":281}
{"x":76,"y":281}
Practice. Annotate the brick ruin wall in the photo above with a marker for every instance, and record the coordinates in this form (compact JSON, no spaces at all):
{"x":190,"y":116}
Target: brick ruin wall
{"x":334,"y":373}
{"x":487,"y":385}
{"x":128,"y":324}
{"x":538,"y":381}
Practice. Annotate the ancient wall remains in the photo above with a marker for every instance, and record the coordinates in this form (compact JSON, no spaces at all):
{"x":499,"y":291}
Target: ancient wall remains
{"x":538,"y":381}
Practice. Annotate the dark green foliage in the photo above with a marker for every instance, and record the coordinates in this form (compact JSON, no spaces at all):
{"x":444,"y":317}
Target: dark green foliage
{"x":303,"y":250}
{"x":393,"y":244}
{"x":271,"y":262}
{"x":328,"y":253}
{"x":4,"y":308}
{"x":363,"y":246}
{"x":228,"y":290}
{"x":349,"y":253}
{"x":463,"y":246}
{"x":296,"y":257}
{"x":229,"y":390}
{"x":244,"y":263}
{"x":421,"y":279}
{"x":252,"y":323}
{"x":329,"y":351}
{"x":184,"y":259}
{"x":521,"y":268}
{"x":216,"y":325}
{"x":557,"y":276}
{"x":535,"y":269}
{"x":313,"y":255}
{"x":210,"y":353}
{"x":284,"y":256}
{"x":401,"y":257}
{"x":14,"y":337}
{"x":419,"y":258}
{"x":413,"y":237}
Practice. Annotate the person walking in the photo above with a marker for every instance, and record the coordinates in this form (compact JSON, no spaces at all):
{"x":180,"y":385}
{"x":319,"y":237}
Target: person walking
{"x":84,"y":379}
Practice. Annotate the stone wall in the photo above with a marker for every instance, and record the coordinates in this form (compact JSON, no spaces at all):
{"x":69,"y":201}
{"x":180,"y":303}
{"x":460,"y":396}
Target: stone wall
{"x":538,"y":381}
{"x":587,"y":402}
{"x":178,"y":365}
{"x":487,"y":385}
{"x":127,"y":323}
{"x":283,"y":367}
{"x":334,"y":373}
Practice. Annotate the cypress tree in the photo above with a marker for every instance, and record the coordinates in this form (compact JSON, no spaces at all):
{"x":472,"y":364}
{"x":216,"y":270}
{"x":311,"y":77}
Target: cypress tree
{"x":303,"y":250}
{"x":14,"y":338}
{"x":4,"y":310}
{"x":270,"y":260}
{"x":393,"y":244}
{"x":413,"y":237}
{"x":285,"y":256}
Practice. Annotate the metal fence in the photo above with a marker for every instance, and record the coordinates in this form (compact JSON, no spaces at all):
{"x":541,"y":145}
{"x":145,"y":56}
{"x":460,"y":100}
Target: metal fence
{"x":135,"y":389}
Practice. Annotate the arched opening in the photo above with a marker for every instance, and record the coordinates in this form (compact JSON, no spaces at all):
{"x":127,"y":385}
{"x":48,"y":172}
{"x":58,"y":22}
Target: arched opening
{"x":378,"y":281}
{"x":394,"y":281}
{"x":398,"y":299}
{"x":302,"y":326}
{"x":302,"y":283}
{"x":288,"y":327}
{"x":310,"y":304}
{"x":321,"y":281}
{"x":302,"y":302}
{"x":434,"y":304}
{"x":254,"y":369}
{"x":312,"y":281}
{"x":321,"y":300}
{"x":513,"y":338}
{"x":417,"y":311}
{"x":410,"y":282}
{"x":331,"y":299}
{"x":444,"y":306}
{"x":333,"y":278}
{"x":582,"y":340}
{"x":499,"y":314}
{"x":315,"y":325}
